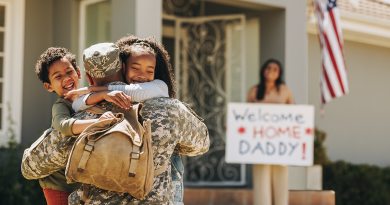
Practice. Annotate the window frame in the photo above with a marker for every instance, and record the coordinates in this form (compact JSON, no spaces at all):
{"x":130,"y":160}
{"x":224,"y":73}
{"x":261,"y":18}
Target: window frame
{"x":82,"y":31}
{"x":12,"y":80}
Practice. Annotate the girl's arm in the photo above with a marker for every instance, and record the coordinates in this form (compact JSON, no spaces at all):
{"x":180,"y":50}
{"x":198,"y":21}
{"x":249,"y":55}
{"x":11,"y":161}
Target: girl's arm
{"x":143,"y":91}
{"x":137,"y":92}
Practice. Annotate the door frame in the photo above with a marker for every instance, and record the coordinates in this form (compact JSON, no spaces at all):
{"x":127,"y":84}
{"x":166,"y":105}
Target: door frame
{"x":175,"y":33}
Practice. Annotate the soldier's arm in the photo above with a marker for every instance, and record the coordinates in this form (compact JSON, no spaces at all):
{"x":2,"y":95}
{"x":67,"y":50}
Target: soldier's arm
{"x":46,"y":155}
{"x":193,"y":134}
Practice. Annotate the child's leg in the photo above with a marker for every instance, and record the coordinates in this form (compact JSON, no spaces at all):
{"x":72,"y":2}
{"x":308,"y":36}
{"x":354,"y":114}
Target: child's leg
{"x":55,"y":197}
{"x":177,"y":177}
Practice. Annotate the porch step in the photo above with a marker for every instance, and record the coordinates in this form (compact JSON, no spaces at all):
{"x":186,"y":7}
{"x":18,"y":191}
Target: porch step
{"x":194,"y":196}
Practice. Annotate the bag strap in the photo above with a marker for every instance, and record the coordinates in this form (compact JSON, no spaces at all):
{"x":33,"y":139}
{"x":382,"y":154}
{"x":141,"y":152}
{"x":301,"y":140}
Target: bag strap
{"x":134,"y":158}
{"x":88,"y":148}
{"x":85,"y":193}
{"x":135,"y":154}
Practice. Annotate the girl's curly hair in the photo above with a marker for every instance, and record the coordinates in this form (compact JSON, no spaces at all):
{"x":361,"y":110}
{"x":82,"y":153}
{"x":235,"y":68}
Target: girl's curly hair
{"x":163,"y":69}
{"x":50,"y":56}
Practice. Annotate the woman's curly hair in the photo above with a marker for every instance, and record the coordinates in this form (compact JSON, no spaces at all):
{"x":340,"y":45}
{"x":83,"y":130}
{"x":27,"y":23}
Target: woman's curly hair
{"x":50,"y":56}
{"x":163,"y":69}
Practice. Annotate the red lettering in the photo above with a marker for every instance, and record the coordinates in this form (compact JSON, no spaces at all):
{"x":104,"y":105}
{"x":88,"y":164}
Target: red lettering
{"x":275,"y":132}
{"x":296,"y":132}
{"x":287,"y":130}
{"x":257,"y":132}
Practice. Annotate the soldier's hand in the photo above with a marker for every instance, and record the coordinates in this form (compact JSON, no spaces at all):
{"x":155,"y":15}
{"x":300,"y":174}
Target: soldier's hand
{"x":106,"y":115}
{"x":119,"y":98}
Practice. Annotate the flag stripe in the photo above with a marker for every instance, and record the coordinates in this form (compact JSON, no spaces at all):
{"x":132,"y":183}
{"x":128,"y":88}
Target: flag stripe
{"x":335,"y":29}
{"x":339,"y":59}
{"x":329,"y":85}
{"x":332,"y":76}
{"x":336,"y":69}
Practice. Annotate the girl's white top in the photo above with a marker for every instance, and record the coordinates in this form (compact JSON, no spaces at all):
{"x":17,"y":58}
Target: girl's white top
{"x":138,"y":92}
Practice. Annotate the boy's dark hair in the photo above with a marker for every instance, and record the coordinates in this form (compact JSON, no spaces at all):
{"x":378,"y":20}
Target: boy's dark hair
{"x":47,"y":58}
{"x":163,"y":69}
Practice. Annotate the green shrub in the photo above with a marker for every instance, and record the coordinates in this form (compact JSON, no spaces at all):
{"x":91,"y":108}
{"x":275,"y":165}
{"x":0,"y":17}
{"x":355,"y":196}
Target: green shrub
{"x":320,"y":156}
{"x":353,"y":184}
{"x":357,"y":184}
{"x":14,"y":188}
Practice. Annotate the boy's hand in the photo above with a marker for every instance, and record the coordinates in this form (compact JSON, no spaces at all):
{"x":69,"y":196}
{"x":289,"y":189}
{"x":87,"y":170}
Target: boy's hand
{"x":106,"y":115}
{"x":119,"y":98}
{"x":74,"y":94}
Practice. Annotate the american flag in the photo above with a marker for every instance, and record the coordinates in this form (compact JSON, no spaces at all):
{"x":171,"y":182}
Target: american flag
{"x":334,"y":80}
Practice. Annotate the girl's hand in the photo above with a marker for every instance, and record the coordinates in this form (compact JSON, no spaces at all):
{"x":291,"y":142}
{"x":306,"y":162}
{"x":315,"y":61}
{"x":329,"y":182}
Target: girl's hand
{"x":74,"y":94}
{"x":106,"y":115}
{"x":119,"y":98}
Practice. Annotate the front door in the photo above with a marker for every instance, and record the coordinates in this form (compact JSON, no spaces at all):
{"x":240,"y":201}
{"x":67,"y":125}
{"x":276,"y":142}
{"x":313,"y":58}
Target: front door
{"x":210,"y":72}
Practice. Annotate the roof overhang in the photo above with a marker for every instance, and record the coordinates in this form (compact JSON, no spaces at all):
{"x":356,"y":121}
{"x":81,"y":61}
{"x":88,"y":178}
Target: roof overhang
{"x":360,"y":28}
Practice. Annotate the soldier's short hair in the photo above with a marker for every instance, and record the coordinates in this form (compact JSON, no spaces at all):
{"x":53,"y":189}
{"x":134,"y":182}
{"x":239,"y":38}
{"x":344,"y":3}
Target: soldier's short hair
{"x":50,"y":56}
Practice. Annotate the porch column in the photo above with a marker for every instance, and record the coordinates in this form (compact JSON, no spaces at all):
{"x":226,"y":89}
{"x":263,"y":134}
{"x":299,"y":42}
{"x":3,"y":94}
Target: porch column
{"x":296,"y":60}
{"x":141,"y":18}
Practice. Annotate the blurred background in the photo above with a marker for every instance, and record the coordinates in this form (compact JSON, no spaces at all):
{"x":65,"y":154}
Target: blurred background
{"x":216,"y":49}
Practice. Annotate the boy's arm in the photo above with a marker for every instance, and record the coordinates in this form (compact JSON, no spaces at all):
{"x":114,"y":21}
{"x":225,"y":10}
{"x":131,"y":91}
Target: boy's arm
{"x":63,"y":122}
{"x":143,"y":91}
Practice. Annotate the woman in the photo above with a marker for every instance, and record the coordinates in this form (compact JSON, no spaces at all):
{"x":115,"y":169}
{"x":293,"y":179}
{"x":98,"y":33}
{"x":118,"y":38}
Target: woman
{"x":271,"y":180}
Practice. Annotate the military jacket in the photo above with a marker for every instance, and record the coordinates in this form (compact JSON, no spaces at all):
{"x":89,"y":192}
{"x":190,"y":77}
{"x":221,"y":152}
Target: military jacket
{"x":172,"y":124}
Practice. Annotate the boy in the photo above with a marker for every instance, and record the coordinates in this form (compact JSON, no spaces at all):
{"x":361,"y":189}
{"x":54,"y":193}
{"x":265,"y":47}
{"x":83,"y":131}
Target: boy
{"x":59,"y":72}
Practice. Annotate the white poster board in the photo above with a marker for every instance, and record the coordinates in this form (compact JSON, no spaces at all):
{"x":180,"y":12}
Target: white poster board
{"x":270,"y":134}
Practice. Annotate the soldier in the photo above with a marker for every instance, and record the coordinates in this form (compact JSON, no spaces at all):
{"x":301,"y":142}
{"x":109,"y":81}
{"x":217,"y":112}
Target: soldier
{"x":172,"y":124}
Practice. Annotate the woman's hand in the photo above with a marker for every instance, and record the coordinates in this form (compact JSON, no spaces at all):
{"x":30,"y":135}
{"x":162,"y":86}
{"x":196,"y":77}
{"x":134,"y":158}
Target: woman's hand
{"x":74,"y":94}
{"x":119,"y":98}
{"x":106,"y":115}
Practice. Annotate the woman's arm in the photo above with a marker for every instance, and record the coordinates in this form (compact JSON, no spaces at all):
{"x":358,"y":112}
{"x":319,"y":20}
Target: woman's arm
{"x":290,"y":97}
{"x":252,"y":94}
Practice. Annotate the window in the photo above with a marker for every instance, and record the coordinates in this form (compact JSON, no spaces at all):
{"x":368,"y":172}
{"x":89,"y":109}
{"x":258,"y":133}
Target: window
{"x":95,"y":26}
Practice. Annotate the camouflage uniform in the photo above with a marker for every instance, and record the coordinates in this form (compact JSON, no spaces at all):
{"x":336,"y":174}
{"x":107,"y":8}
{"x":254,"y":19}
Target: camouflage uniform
{"x":172,"y":124}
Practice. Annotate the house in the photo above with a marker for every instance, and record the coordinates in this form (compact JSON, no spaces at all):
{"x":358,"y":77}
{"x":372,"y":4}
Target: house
{"x":216,"y":48}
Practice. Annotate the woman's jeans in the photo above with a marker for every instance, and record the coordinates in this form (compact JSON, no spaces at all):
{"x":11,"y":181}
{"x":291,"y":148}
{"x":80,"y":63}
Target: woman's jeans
{"x":177,"y":177}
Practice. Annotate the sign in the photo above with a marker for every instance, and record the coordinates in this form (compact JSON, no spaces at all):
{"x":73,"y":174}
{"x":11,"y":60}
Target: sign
{"x":276,"y":134}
